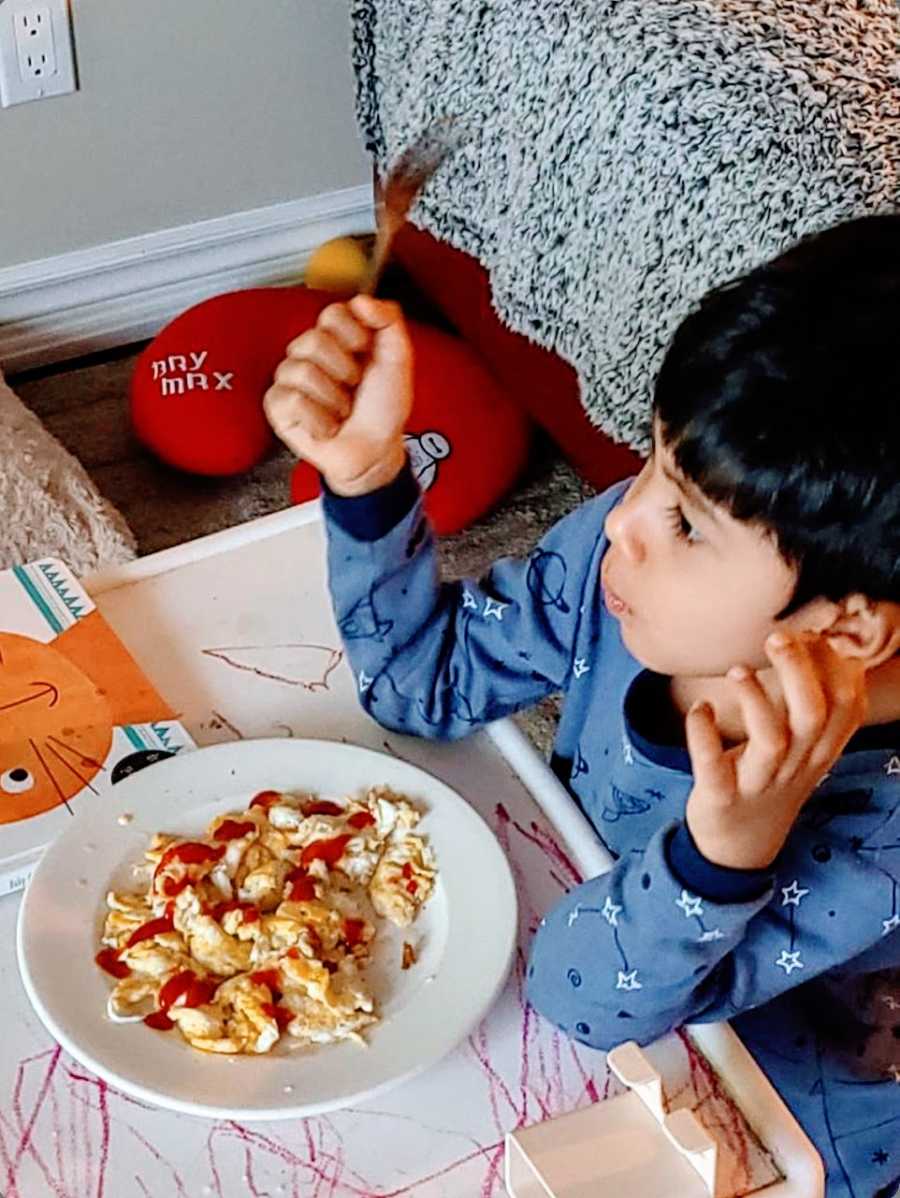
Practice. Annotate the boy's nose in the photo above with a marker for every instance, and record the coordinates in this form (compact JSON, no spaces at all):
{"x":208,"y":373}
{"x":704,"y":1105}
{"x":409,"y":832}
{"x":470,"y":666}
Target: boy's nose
{"x":622,"y":530}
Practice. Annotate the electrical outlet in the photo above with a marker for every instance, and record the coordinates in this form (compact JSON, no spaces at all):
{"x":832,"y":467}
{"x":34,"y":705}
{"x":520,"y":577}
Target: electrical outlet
{"x":35,"y":47}
{"x":36,"y":57}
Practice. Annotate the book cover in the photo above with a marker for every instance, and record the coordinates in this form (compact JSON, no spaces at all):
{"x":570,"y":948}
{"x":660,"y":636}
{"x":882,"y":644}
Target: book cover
{"x":77,"y":714}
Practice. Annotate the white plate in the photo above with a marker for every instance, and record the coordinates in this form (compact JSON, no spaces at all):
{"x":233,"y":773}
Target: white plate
{"x":466,"y":935}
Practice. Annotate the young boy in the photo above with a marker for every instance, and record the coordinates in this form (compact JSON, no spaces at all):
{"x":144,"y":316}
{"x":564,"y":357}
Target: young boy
{"x":725,"y":628}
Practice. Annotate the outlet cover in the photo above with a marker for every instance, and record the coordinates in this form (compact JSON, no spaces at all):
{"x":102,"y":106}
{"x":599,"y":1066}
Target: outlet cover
{"x":36,"y":55}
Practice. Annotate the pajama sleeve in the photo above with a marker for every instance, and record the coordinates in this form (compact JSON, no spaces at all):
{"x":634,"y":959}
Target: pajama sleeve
{"x":667,"y":938}
{"x":440,"y":659}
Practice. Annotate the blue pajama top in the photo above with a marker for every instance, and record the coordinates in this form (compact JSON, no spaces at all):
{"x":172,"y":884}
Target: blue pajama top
{"x":798,"y":957}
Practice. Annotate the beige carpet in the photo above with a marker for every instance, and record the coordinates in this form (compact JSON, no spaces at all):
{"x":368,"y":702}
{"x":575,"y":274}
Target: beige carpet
{"x":50,"y":506}
{"x":84,"y":405}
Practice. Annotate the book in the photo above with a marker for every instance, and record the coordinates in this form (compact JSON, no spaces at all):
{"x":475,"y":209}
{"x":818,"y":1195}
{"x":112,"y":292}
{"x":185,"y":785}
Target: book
{"x":77,"y":713}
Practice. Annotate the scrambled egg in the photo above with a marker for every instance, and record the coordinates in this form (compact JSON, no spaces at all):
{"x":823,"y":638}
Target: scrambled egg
{"x":263,"y":927}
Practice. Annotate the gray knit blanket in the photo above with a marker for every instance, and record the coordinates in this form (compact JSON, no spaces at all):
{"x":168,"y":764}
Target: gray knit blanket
{"x":624,"y":156}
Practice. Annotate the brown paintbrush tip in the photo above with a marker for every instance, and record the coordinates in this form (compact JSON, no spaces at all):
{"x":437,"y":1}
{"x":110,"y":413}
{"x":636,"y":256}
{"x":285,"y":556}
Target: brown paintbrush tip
{"x":422,"y":157}
{"x":405,"y":179}
{"x":415,"y":166}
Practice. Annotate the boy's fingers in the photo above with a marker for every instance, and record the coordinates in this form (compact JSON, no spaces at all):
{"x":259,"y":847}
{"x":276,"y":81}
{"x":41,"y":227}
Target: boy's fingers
{"x":298,"y":420}
{"x":391,"y":344}
{"x":280,"y":404}
{"x":768,"y":740}
{"x":713,"y":772}
{"x":375,"y":314}
{"x":309,"y":379}
{"x":320,"y":347}
{"x":848,"y":704}
{"x":339,"y":321}
{"x":801,"y":685}
{"x":314,"y":421}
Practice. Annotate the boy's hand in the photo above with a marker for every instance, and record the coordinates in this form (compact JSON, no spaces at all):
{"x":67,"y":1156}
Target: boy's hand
{"x":342,"y":395}
{"x":745,"y":799}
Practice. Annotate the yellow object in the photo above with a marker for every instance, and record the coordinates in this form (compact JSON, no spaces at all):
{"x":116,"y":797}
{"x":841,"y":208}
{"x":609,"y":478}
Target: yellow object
{"x":339,"y":265}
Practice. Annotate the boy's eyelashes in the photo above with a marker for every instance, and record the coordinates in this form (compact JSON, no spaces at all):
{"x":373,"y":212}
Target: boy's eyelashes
{"x":681,"y":526}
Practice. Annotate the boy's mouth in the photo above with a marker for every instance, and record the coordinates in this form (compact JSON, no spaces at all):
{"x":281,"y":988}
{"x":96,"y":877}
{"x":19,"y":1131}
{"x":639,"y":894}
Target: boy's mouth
{"x":615,"y":604}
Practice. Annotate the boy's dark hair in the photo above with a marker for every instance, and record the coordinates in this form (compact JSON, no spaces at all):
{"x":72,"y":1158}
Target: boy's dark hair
{"x":780,"y":399}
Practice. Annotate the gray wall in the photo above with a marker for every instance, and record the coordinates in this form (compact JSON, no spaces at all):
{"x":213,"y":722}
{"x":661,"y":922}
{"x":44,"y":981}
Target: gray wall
{"x":186,"y":110}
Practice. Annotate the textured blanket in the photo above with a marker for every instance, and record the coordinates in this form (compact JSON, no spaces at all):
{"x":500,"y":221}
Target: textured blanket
{"x":49,"y":505}
{"x":624,"y":156}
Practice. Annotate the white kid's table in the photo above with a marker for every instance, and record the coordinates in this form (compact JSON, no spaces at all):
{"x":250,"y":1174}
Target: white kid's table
{"x":236,"y":631}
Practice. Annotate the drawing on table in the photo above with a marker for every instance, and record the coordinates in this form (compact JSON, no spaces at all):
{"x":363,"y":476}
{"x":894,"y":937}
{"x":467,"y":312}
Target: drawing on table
{"x":67,"y":1134}
{"x":220,"y":721}
{"x":306,"y":666}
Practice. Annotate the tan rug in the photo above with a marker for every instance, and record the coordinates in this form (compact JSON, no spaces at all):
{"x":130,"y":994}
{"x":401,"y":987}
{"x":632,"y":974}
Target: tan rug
{"x":49,"y":505}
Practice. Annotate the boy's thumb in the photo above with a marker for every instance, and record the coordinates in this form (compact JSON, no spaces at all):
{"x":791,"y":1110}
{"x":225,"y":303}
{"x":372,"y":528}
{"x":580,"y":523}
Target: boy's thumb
{"x":390,"y":347}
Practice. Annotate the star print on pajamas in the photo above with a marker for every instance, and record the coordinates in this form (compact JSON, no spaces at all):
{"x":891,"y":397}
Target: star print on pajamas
{"x":893,"y":766}
{"x":789,"y":961}
{"x":792,"y":894}
{"x":628,"y":981}
{"x":470,"y":601}
{"x":494,"y":608}
{"x":890,"y":924}
{"x":610,"y":911}
{"x":581,"y":667}
{"x":364,"y":681}
{"x":690,"y":904}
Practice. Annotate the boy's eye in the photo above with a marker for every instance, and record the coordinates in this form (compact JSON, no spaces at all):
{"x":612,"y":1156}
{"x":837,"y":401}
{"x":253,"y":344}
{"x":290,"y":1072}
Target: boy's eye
{"x":683,"y":528}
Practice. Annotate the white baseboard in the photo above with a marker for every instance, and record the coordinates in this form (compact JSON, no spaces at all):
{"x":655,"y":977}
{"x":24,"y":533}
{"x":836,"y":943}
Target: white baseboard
{"x":124,"y":291}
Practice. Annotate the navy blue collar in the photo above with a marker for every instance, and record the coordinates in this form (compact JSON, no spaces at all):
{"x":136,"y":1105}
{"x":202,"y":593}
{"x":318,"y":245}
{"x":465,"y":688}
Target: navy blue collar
{"x":656,"y":731}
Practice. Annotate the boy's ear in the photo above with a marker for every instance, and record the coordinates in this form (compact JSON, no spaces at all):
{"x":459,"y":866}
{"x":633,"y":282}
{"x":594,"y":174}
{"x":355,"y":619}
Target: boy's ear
{"x":866,"y":629}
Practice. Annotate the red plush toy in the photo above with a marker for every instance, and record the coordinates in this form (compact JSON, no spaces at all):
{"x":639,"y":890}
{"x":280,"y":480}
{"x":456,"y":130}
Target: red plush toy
{"x":197,"y":389}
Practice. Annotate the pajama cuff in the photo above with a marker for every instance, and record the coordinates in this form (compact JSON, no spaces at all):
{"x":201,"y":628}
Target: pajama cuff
{"x":372,"y":516}
{"x":716,"y":883}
